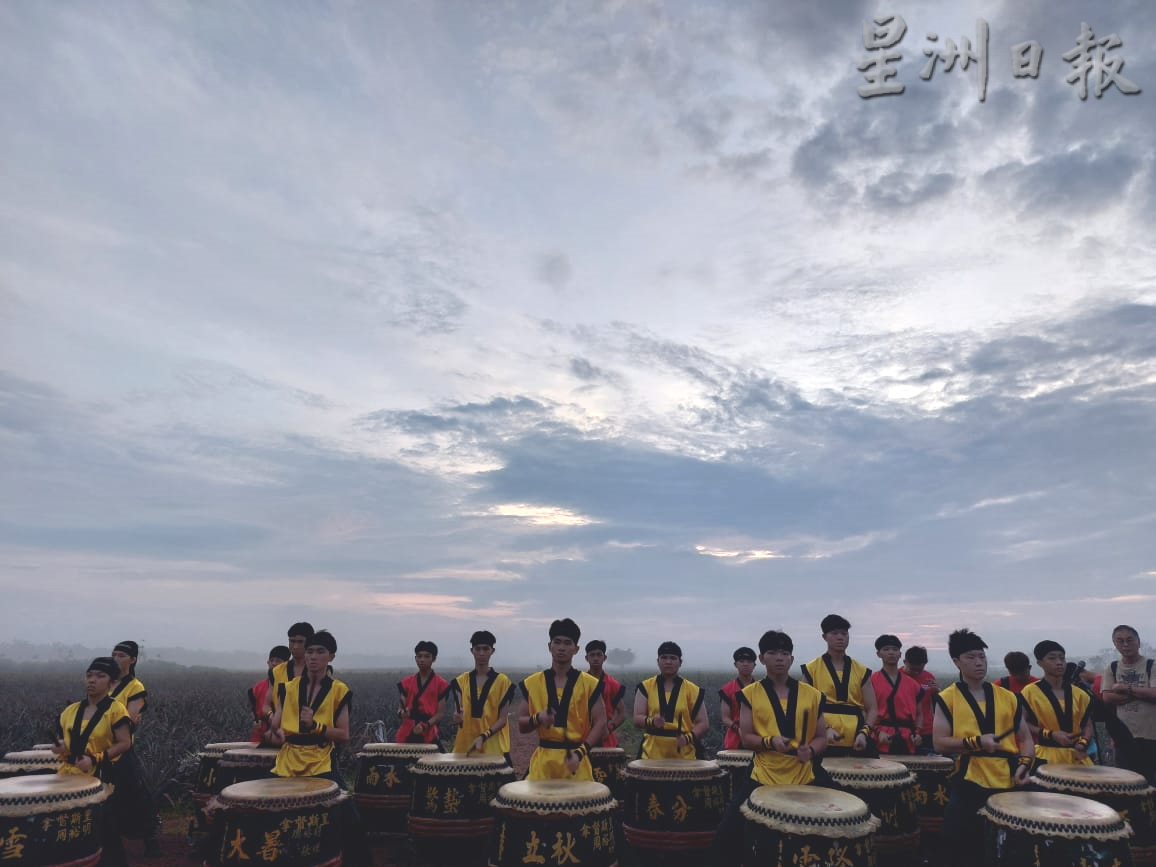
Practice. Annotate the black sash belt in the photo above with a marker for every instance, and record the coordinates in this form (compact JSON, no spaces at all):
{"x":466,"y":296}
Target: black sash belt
{"x":843,"y":709}
{"x":896,"y":724}
{"x":559,"y":745}
{"x":306,"y":740}
{"x":663,"y":733}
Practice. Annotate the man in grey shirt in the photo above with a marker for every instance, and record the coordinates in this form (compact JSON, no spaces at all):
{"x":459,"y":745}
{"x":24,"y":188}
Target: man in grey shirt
{"x":1128,"y":686}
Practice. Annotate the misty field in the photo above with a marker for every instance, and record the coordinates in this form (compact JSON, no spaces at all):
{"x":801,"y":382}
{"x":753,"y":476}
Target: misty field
{"x":189,"y":709}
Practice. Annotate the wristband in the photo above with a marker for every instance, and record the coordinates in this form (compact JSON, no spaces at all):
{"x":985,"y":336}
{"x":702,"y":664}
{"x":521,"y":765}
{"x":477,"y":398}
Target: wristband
{"x":767,"y":744}
{"x":865,"y":730}
{"x":321,"y":729}
{"x":1082,"y":742}
{"x":1027,"y":762}
{"x":971,"y":744}
{"x":486,"y":734}
{"x":1046,"y":734}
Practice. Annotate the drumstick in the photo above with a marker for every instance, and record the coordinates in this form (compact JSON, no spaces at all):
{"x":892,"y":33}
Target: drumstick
{"x":802,"y":733}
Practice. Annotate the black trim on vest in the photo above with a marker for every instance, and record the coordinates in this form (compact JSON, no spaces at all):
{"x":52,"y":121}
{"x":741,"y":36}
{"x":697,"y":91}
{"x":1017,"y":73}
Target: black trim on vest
{"x":842,"y":687}
{"x":560,"y":707}
{"x":78,"y":742}
{"x":784,"y":718}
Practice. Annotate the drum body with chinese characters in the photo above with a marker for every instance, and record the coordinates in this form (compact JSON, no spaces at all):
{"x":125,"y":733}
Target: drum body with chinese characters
{"x":206,"y":783}
{"x":24,"y":762}
{"x":609,"y":765}
{"x":450,"y":817}
{"x":738,"y":765}
{"x":53,"y":819}
{"x":888,"y":788}
{"x":384,"y":788}
{"x":1050,"y":830}
{"x":1126,"y":792}
{"x":808,"y":825}
{"x":672,"y":809}
{"x":245,"y":763}
{"x":286,"y":822}
{"x":553,"y":822}
{"x":931,"y":790}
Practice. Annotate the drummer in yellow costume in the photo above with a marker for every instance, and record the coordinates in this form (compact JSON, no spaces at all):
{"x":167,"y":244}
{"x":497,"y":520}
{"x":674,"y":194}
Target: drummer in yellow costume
{"x":851,"y":709}
{"x":984,"y":725}
{"x":312,"y":715}
{"x":782,"y":721}
{"x":1058,"y":715}
{"x":669,"y":710}
{"x":298,"y":634}
{"x":564,"y":706}
{"x":482,"y":699}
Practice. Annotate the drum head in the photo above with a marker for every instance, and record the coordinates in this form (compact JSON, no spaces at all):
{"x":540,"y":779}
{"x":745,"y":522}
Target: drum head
{"x":608,"y":752}
{"x":672,"y":769}
{"x":1047,"y":814}
{"x":555,"y":796}
{"x":1090,"y":779}
{"x":460,"y":763}
{"x":251,"y":755}
{"x":398,"y":751}
{"x":20,"y":794}
{"x":39,"y":747}
{"x":32,"y":757}
{"x":279,"y":792}
{"x":868,"y":773}
{"x":219,"y":749}
{"x":943,"y":764}
{"x":810,"y":810}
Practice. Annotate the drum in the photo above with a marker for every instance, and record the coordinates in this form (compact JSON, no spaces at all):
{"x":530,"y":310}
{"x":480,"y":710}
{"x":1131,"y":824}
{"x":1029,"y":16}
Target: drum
{"x":244,"y":764}
{"x":808,"y":825}
{"x":206,"y":784}
{"x":1050,"y":830}
{"x":738,"y":765}
{"x":888,"y":789}
{"x":673,"y":807}
{"x":24,"y":762}
{"x":42,"y":747}
{"x":450,"y":817}
{"x":931,"y":794}
{"x":290,"y":821}
{"x":559,"y":821}
{"x":608,"y":764}
{"x":55,"y":819}
{"x":384,"y":788}
{"x":1126,"y":792}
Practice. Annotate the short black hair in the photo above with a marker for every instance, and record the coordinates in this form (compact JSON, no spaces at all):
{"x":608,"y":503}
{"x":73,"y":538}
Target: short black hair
{"x":834,"y":622}
{"x":1017,"y":660}
{"x":322,"y":638}
{"x":669,"y":648}
{"x":745,"y":654}
{"x":963,"y":641}
{"x":773,"y":640}
{"x":280,"y":652}
{"x":302,"y":628}
{"x":565,"y":628}
{"x":426,"y":647}
{"x":1045,"y":647}
{"x":482,"y":636}
{"x":596,"y":644}
{"x":915,"y":655}
{"x":887,"y":641}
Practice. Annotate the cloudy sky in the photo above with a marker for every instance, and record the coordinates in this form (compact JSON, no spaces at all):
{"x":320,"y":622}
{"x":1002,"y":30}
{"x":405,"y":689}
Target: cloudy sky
{"x":413,"y":318}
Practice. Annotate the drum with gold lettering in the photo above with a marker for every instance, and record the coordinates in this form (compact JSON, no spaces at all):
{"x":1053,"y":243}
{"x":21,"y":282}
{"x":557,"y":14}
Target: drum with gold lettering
{"x":931,"y":792}
{"x":673,"y":807}
{"x":384,"y":788}
{"x":808,"y":825}
{"x":244,"y":764}
{"x":888,"y":789}
{"x":284,"y":821}
{"x":206,"y":783}
{"x":1050,"y":830}
{"x":738,"y":765}
{"x":1126,"y":792}
{"x":608,"y":765}
{"x":51,"y":819}
{"x":450,"y":817}
{"x":553,"y":822}
{"x":24,"y":762}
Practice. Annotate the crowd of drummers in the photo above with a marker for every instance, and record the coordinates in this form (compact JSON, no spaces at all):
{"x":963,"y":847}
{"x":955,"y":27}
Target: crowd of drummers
{"x":998,"y":732}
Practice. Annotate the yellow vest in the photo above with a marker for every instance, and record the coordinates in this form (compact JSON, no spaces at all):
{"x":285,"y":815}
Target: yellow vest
{"x":1062,"y":715}
{"x":572,"y":722}
{"x":679,"y":711}
{"x":800,"y":716}
{"x":308,"y":755}
{"x":991,"y":772}
{"x":844,"y":710}
{"x":493,"y":698}
{"x":93,"y":736}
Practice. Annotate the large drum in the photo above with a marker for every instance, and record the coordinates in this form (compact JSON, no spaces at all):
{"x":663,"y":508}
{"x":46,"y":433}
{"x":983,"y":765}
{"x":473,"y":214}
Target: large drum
{"x":808,"y":825}
{"x":931,"y":789}
{"x":24,"y":762}
{"x":206,"y":783}
{"x":738,"y":764}
{"x":55,"y":819}
{"x":673,"y":807}
{"x":888,"y":789}
{"x":288,"y":822}
{"x":450,"y":817}
{"x":1126,"y":792}
{"x":384,"y":788}
{"x":42,"y":746}
{"x":1050,"y":830}
{"x":555,"y":822}
{"x":244,"y":764}
{"x":608,"y":765}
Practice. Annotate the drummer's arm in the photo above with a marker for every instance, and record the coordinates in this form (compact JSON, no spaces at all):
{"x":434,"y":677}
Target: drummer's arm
{"x":724,"y":707}
{"x":640,"y":721}
{"x":619,"y":717}
{"x":942,"y":738}
{"x":870,"y":705}
{"x":121,"y":741}
{"x":339,"y":731}
{"x":818,"y":743}
{"x":751,"y":740}
{"x":135,"y":708}
{"x":526,"y":725}
{"x":597,"y":722}
{"x":1027,"y":748}
{"x":701,"y":723}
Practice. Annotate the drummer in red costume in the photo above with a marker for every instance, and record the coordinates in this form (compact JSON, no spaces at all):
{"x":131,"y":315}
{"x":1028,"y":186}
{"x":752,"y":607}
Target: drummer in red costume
{"x":423,"y":697}
{"x":915,"y":665}
{"x":259,"y":693}
{"x":613,"y":692}
{"x":728,"y":696}
{"x":898,"y":698}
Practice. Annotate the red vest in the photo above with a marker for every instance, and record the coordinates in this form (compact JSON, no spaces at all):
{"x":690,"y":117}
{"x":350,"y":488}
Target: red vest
{"x":729,"y":695}
{"x":422,"y":703}
{"x":925,"y":679}
{"x":898,"y":704}
{"x":612,"y":694}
